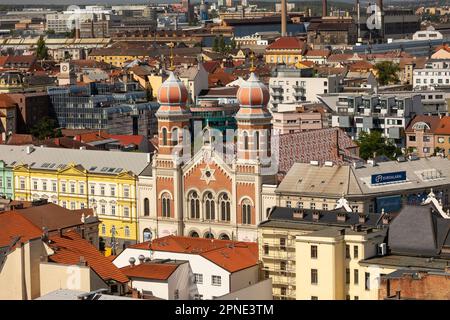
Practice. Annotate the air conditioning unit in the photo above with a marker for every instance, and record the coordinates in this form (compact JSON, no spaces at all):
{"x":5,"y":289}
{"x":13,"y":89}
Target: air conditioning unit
{"x":382,"y":249}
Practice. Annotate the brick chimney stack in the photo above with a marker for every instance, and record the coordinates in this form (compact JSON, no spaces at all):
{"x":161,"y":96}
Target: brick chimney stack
{"x":324,"y":8}
{"x":283,"y":18}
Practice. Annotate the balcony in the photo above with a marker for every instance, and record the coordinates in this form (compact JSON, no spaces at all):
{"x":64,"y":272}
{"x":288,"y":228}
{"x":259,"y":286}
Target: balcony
{"x":277,"y":94}
{"x":276,"y":86}
{"x":299,"y":94}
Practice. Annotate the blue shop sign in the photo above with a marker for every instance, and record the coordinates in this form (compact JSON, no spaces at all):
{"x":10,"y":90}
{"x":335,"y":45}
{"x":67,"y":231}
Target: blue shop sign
{"x":388,"y":177}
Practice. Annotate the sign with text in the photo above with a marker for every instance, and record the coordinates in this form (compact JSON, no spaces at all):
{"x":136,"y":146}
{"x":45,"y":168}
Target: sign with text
{"x":388,"y":177}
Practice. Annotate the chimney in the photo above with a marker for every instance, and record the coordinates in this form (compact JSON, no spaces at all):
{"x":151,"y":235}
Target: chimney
{"x":324,"y":8}
{"x":283,"y":18}
{"x":341,"y":216}
{"x":298,"y":214}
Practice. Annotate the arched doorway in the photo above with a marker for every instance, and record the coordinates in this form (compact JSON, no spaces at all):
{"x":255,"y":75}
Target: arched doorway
{"x":208,"y":235}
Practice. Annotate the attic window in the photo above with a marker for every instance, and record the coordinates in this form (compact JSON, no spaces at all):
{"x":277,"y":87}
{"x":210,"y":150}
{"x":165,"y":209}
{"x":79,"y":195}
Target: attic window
{"x":104,"y":169}
{"x":111,"y":169}
{"x":119,"y":170}
{"x":92,"y":168}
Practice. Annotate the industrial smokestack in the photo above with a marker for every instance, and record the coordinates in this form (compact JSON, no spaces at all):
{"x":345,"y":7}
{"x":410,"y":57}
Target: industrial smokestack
{"x":283,"y":18}
{"x":324,"y":8}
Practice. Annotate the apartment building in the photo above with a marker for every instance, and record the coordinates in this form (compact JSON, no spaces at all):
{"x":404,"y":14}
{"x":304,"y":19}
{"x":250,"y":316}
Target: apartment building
{"x":286,"y":252}
{"x":428,"y":135}
{"x":66,"y":21}
{"x":294,"y":118}
{"x":293,"y":86}
{"x":435,"y":74}
{"x":389,"y":112}
{"x":77,"y":179}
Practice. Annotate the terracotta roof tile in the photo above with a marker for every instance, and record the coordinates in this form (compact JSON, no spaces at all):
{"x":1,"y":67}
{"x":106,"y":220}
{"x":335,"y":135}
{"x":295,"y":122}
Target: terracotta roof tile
{"x":155,"y":271}
{"x":444,"y":126}
{"x":70,"y":247}
{"x":13,"y":224}
{"x":287,"y":43}
{"x":317,"y":53}
{"x":230,"y":255}
{"x":431,"y":121}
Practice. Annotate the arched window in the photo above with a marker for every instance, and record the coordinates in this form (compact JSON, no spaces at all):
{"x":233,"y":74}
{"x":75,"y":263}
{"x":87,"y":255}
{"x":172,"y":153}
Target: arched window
{"x":210,"y":209}
{"x":146,"y":207}
{"x":164,"y":136}
{"x":194,"y":234}
{"x":246,"y":208}
{"x":194,"y":205}
{"x":208,"y":235}
{"x":165,"y":205}
{"x":257,"y":140}
{"x":127,"y":232}
{"x":147,"y":234}
{"x":225,"y":207}
{"x":175,"y":137}
{"x":224,"y":236}
{"x":245,"y":140}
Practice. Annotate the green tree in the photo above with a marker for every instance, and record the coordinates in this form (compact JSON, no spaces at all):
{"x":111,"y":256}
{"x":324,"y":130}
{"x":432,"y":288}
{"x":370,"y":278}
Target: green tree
{"x":216,"y":44}
{"x":387,"y":72}
{"x":374,"y":144}
{"x":222,"y":46}
{"x":41,"y":50}
{"x":45,"y":128}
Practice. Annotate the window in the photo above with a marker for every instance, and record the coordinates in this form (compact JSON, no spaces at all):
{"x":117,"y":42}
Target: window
{"x":355,"y":251}
{"x":103,"y":209}
{"x":126,"y":192}
{"x":35,"y":185}
{"x":146,"y":207}
{"x":198,"y":278}
{"x":314,"y":276}
{"x":257,"y":140}
{"x":313,"y":205}
{"x":367,"y":281}
{"x":81,"y":188}
{"x":54,"y":186}
{"x":165,"y":205}
{"x":314,"y":298}
{"x":283,"y":268}
{"x":216,"y":280}
{"x":176,"y":294}
{"x":102,"y":190}
{"x":72,"y":206}
{"x":44,"y":185}
{"x":246,"y":212}
{"x":245,"y":140}
{"x":9,"y":183}
{"x":82,"y":205}
{"x":347,"y":297}
{"x":72,"y":188}
{"x":300,"y":205}
{"x":113,"y":191}
{"x":283,"y":291}
{"x":356,"y":277}
{"x":347,"y":251}
{"x":225,"y":207}
{"x":288,"y":204}
{"x":63,"y":187}
{"x":113,"y":210}
{"x":210,"y":206}
{"x":283,"y":244}
{"x":325,"y":206}
{"x":64,"y":204}
{"x":126,"y":212}
{"x":164,"y":136}
{"x":127,"y":232}
{"x":347,"y":276}
{"x":103,"y":229}
{"x":266,"y":249}
{"x":356,"y":298}
{"x":313,"y":252}
{"x":92,"y":189}
{"x":198,"y":297}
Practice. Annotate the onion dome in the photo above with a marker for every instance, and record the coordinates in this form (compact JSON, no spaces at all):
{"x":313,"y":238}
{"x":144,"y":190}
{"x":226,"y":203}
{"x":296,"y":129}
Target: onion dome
{"x":253,"y":93}
{"x":172,"y":92}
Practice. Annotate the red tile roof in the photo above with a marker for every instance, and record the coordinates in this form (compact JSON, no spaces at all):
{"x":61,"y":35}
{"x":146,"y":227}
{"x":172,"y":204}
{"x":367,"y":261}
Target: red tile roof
{"x":444,"y":126}
{"x":317,"y":53}
{"x":287,"y":43}
{"x":431,"y":121}
{"x":13,"y":224}
{"x":69,"y":249}
{"x":211,"y":66}
{"x":230,"y":255}
{"x":154,"y":271}
{"x":128,"y":139}
{"x":361,"y":65}
{"x":315,"y":145}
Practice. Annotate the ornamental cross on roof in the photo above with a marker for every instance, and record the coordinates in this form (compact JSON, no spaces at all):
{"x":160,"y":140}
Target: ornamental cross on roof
{"x":171,"y":67}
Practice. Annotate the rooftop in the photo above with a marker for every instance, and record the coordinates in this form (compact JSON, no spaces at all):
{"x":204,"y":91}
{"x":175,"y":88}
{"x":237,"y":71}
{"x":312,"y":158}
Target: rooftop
{"x":154,"y":270}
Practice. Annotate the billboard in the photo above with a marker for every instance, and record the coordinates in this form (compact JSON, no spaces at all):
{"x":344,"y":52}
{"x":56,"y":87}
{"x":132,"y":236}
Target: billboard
{"x":388,"y":177}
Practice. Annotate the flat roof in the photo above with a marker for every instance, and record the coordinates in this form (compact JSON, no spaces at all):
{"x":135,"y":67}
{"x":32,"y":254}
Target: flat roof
{"x":411,"y":262}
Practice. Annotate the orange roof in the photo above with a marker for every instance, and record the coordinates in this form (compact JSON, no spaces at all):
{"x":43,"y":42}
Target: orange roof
{"x":230,"y":255}
{"x":70,"y":247}
{"x":361,"y":65}
{"x":6,"y":102}
{"x":156,"y":271}
{"x":444,"y":126}
{"x":287,"y":43}
{"x":317,"y":53}
{"x":445,"y":47}
{"x":128,"y":139}
{"x":15,"y":225}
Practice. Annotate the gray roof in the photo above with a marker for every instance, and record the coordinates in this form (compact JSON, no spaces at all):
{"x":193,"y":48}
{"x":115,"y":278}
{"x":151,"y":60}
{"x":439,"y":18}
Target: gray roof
{"x":66,"y":294}
{"x":403,"y":261}
{"x":95,"y":161}
{"x":307,"y":179}
{"x":418,"y":230}
{"x":284,"y":217}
